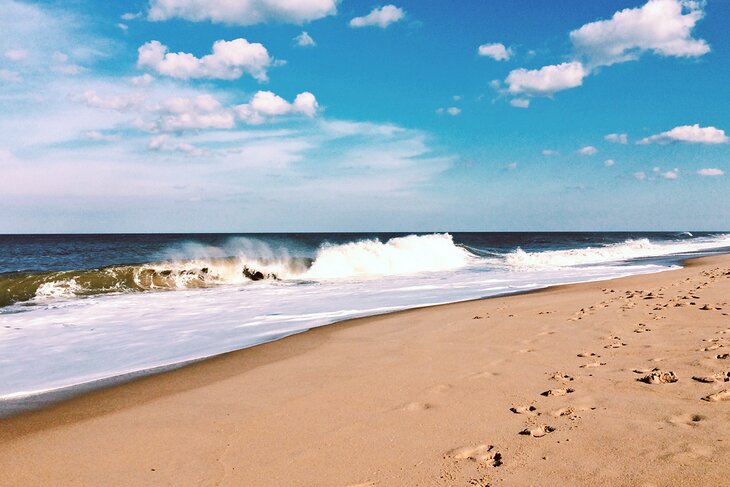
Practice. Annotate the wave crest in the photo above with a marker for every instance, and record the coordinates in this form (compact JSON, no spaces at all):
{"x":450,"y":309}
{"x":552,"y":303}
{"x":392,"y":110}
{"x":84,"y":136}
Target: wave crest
{"x":402,"y":255}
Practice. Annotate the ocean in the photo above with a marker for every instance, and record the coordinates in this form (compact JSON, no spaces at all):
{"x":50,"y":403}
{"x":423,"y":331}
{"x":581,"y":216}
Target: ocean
{"x":79,"y":309}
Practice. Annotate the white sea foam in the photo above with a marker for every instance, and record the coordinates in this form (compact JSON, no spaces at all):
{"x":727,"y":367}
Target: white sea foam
{"x":630,"y":249}
{"x":398,"y":256}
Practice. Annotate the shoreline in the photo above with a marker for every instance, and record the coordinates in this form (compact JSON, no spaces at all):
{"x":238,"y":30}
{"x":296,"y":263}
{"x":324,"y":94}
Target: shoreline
{"x":432,"y":383}
{"x":37,"y":401}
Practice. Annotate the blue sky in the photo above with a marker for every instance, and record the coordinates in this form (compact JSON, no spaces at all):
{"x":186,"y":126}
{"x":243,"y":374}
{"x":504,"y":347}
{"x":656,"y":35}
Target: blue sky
{"x":326,"y":115}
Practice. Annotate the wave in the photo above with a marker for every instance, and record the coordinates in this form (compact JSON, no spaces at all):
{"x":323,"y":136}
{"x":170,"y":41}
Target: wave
{"x":402,"y":255}
{"x":213,"y":266}
{"x":617,"y":252}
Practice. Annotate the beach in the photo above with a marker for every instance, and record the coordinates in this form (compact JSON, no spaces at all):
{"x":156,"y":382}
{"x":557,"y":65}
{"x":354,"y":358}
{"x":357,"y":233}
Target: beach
{"x":541,"y":388}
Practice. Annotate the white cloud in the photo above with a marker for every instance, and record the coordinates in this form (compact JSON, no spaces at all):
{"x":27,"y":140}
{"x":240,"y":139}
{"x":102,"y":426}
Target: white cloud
{"x":673,"y":174}
{"x":16,"y":54}
{"x":640,"y":175}
{"x":550,"y":152}
{"x":546,"y":80}
{"x":520,"y":102}
{"x":496,"y":51}
{"x":131,"y":15}
{"x":609,"y":162}
{"x":199,"y":112}
{"x":145,"y":79}
{"x":381,"y":17}
{"x":229,"y":60}
{"x":663,"y":27}
{"x":166,"y":143}
{"x":243,"y":12}
{"x":123,"y":27}
{"x":120,"y":103}
{"x":588,"y":150}
{"x":304,"y":40}
{"x":617,"y":138}
{"x":711,"y":171}
{"x":690,"y":134}
{"x":265,"y":105}
{"x":453,"y":111}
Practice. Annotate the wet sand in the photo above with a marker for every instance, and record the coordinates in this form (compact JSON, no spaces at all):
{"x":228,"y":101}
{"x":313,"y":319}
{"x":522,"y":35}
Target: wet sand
{"x":619,"y":382}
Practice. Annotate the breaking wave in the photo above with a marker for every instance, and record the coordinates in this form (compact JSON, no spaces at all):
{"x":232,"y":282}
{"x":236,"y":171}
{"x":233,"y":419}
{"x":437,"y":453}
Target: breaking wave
{"x":213,"y":266}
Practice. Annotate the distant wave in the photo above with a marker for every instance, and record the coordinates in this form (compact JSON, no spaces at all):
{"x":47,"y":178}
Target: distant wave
{"x":617,"y":252}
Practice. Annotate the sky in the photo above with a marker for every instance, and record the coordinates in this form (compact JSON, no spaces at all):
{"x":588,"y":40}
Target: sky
{"x":345,"y":115}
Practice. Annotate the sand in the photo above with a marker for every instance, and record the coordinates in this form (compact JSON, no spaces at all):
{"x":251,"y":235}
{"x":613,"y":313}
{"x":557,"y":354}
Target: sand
{"x":618,"y":382}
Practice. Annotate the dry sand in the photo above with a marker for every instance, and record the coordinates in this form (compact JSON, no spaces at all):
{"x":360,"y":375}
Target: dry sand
{"x":536,"y":389}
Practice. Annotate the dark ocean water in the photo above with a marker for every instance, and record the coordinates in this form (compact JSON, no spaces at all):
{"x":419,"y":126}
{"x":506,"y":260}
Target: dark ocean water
{"x":38,"y":253}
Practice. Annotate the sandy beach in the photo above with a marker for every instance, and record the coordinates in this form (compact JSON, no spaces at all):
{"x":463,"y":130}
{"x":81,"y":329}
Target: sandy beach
{"x":543,"y":388}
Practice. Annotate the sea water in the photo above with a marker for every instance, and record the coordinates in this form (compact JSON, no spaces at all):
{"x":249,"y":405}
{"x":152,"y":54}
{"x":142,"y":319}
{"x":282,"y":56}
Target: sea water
{"x":75,"y":309}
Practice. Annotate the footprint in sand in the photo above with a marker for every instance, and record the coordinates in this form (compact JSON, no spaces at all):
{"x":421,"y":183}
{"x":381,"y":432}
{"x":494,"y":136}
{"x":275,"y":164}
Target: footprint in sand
{"x":557,"y":392}
{"x":538,"y":431}
{"x":486,"y":454}
{"x":528,"y":410}
{"x":723,"y":395}
{"x":567,"y":411}
{"x":659,"y":377}
{"x":561,"y":376}
{"x":588,"y":354}
{"x":592,"y":365}
{"x":723,"y":356}
{"x":687,"y":419}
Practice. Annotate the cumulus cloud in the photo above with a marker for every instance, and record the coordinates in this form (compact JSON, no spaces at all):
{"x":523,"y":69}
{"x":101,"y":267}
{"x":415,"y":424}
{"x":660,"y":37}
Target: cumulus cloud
{"x":546,"y":80}
{"x":588,"y":150}
{"x":242,"y":12}
{"x":496,"y":51}
{"x":304,"y":40}
{"x":609,"y":162}
{"x":520,"y":102}
{"x":229,"y":60}
{"x":379,"y":17}
{"x":711,"y":172}
{"x":673,"y":174}
{"x":550,"y":152}
{"x":639,"y":175}
{"x":617,"y":138}
{"x":199,"y":112}
{"x":265,"y":105}
{"x":663,"y":27}
{"x":690,"y":134}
